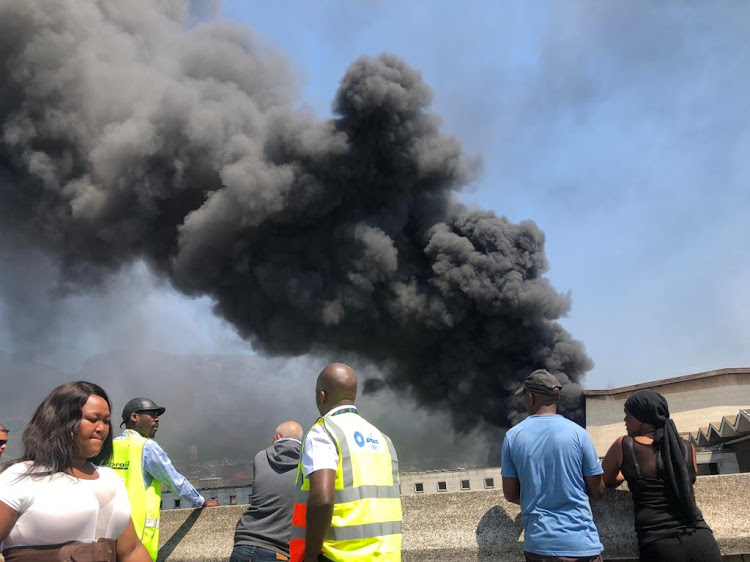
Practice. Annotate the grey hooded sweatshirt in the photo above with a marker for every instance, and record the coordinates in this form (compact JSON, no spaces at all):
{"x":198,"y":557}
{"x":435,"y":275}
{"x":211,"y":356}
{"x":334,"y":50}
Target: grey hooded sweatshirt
{"x":267,"y":523}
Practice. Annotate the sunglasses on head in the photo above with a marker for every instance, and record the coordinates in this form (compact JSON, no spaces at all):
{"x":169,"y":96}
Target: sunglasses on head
{"x":3,"y":442}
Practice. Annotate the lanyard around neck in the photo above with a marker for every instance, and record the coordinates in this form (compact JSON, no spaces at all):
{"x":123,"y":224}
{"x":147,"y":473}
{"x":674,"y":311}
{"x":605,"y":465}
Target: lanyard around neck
{"x":351,"y":410}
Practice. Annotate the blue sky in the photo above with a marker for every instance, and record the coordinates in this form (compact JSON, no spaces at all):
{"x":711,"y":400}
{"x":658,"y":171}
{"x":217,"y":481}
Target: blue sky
{"x":620,"y":128}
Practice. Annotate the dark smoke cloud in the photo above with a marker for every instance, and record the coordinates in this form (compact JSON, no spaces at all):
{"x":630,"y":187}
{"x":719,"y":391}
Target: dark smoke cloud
{"x":127,"y":136}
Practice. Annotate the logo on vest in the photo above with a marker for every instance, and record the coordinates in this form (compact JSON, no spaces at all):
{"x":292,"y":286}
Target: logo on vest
{"x":359,"y":439}
{"x":371,"y":442}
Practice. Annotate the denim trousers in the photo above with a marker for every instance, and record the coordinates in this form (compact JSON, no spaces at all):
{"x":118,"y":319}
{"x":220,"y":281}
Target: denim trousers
{"x":242,"y":553}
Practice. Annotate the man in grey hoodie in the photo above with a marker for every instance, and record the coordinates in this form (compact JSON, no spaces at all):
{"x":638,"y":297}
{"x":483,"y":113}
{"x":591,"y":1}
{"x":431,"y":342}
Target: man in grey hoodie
{"x":263,"y":531}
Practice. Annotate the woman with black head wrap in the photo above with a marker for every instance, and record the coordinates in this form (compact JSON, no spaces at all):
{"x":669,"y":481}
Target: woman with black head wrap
{"x":660,"y":470}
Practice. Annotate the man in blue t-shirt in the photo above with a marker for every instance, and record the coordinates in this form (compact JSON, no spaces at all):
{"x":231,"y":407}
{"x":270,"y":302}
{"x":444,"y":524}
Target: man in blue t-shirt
{"x":551,"y":469}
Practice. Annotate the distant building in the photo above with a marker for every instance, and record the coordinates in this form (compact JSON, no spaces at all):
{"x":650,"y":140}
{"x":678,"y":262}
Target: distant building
{"x":229,"y":481}
{"x":457,"y":480}
{"x":210,"y":482}
{"x":227,"y":495}
{"x":731,"y":434}
{"x":710,"y":409}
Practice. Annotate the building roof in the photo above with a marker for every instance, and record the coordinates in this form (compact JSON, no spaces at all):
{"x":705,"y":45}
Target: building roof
{"x":662,"y":382}
{"x":730,"y":428}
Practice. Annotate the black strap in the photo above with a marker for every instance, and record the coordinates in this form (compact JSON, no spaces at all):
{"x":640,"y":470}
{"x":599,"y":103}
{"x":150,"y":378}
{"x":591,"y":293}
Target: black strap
{"x":629,"y":441}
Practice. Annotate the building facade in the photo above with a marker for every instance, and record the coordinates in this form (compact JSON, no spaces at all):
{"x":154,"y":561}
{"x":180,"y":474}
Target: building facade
{"x":458,"y":480}
{"x":227,"y":495}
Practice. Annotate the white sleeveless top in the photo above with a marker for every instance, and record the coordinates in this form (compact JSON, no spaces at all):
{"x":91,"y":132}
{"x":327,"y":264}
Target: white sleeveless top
{"x":61,"y":508}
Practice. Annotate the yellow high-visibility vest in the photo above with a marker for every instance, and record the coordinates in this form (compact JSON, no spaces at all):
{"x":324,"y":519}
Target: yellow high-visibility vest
{"x":145,"y":503}
{"x":366,"y":521}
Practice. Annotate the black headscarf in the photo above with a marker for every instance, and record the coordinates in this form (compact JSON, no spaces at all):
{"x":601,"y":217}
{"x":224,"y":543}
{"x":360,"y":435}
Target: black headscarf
{"x":651,"y":407}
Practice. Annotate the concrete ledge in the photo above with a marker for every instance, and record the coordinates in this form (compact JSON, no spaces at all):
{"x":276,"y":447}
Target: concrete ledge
{"x":479,"y":526}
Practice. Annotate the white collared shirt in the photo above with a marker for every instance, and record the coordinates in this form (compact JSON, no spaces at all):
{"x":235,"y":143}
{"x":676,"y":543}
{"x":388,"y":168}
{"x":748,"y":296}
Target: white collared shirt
{"x":320,"y":449}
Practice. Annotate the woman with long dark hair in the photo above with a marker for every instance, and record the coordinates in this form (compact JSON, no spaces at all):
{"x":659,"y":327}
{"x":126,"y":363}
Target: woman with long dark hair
{"x":55,"y":502}
{"x":660,"y":469}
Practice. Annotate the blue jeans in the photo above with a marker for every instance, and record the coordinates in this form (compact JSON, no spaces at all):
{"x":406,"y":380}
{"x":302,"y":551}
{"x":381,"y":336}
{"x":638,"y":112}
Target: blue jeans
{"x":255,"y":554}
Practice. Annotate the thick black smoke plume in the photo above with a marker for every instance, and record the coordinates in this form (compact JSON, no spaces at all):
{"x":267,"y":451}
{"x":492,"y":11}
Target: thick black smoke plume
{"x":126,"y":136}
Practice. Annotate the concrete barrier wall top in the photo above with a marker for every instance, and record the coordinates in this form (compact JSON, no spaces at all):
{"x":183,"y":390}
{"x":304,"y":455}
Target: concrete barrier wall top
{"x":479,"y":526}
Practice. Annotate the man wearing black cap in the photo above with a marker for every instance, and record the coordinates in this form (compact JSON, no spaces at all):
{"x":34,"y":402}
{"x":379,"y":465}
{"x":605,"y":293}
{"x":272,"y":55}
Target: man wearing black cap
{"x":145,"y":467}
{"x":551,"y":469}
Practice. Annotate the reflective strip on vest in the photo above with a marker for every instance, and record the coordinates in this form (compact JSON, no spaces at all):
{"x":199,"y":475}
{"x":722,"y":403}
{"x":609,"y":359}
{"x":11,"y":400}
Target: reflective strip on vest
{"x":354,"y":494}
{"x":366,"y":519}
{"x":364,"y":531}
{"x":355,"y":531}
{"x":347,"y":470}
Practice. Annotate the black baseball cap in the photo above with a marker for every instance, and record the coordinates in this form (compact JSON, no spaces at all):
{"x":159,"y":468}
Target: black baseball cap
{"x":140,"y":405}
{"x":541,"y":382}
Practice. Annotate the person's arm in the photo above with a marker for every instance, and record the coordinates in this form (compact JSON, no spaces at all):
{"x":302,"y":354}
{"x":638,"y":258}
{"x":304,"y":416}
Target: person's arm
{"x":8,"y":518}
{"x":594,"y":486}
{"x":512,"y":489}
{"x":612,"y":465}
{"x":592,"y":470}
{"x":129,"y":548}
{"x":320,"y":458}
{"x":14,"y":497}
{"x":319,"y":511}
{"x":157,"y":464}
{"x":511,"y":483}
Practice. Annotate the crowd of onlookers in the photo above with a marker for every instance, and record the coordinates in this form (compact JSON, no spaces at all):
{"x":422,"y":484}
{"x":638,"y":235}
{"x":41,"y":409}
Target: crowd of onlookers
{"x":332,"y":493}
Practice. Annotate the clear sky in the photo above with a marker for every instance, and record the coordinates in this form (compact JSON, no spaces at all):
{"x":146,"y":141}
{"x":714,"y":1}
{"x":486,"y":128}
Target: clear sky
{"x":620,"y":128}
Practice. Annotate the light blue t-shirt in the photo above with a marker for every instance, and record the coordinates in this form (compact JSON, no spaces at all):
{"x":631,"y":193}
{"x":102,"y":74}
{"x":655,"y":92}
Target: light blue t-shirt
{"x":550,"y":456}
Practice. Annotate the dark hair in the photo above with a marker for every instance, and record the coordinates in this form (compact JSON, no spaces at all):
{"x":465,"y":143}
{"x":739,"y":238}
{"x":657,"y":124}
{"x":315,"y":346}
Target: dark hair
{"x":49,"y":441}
{"x":3,"y":429}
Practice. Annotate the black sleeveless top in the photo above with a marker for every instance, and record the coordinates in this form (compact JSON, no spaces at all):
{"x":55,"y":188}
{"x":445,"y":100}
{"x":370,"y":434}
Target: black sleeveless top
{"x":658,"y":513}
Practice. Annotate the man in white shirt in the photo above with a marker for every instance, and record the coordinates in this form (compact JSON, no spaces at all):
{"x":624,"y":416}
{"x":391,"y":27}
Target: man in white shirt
{"x":349,"y":504}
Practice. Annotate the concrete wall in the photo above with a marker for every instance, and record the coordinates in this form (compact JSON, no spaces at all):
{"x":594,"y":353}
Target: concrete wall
{"x":692,"y":404}
{"x":479,"y":526}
